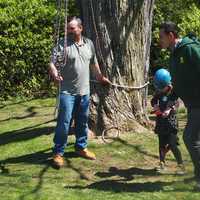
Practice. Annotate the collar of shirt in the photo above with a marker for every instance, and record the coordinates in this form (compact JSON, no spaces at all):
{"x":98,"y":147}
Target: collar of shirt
{"x":176,"y":45}
{"x":80,"y":43}
{"x":178,"y":42}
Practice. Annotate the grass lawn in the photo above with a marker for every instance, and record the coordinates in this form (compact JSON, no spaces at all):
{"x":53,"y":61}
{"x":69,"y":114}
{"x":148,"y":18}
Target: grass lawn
{"x":124,"y":169}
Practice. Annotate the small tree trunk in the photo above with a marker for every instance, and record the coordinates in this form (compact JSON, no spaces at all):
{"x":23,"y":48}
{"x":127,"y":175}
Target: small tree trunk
{"x":121,"y":31}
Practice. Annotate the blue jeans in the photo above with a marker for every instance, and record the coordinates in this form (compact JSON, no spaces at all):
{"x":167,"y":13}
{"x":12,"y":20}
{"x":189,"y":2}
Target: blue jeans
{"x":71,"y":107}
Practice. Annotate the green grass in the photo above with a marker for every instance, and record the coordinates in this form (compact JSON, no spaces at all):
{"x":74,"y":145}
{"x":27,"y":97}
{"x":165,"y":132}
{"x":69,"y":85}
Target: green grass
{"x":124,"y":169}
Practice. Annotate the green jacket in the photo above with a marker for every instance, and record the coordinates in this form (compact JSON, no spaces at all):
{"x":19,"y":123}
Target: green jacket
{"x":185,"y":71}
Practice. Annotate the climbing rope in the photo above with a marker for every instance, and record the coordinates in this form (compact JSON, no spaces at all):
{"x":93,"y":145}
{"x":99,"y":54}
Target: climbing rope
{"x":61,"y":57}
{"x":65,"y":35}
{"x":63,"y":60}
{"x":96,"y":33}
{"x":125,"y":87}
{"x":105,"y":136}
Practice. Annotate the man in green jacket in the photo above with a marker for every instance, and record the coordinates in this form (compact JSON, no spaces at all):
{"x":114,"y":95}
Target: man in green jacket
{"x":185,"y":72}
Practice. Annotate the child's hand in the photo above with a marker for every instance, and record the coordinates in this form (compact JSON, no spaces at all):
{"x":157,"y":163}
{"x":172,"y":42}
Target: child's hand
{"x":156,"y":110}
{"x":166,"y":112}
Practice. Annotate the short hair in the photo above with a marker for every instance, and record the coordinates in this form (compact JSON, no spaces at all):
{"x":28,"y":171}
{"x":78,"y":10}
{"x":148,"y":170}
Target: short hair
{"x":76,"y":19}
{"x":170,"y":27}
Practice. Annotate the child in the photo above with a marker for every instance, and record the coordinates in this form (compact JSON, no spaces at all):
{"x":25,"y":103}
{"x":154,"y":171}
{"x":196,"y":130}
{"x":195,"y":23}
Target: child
{"x":164,"y":105}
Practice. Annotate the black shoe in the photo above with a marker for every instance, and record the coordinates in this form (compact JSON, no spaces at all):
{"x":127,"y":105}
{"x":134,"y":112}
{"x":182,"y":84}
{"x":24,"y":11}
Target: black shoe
{"x":189,"y":180}
{"x":161,"y":167}
{"x":180,"y":169}
{"x":197,"y":186}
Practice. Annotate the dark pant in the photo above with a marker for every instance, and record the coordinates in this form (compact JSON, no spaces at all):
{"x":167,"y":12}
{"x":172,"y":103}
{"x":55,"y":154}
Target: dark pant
{"x":169,"y":142}
{"x":191,"y":138}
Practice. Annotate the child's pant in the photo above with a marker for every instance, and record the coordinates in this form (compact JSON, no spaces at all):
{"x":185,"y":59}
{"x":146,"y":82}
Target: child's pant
{"x":169,"y":142}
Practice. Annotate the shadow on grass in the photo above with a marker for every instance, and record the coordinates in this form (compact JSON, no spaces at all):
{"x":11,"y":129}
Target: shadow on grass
{"x":25,"y":133}
{"x":120,"y":186}
{"x":40,"y":157}
{"x":31,"y":113}
{"x":138,"y":148}
{"x":38,"y":187}
{"x":128,"y":174}
{"x":14,"y":103}
{"x":44,"y":158}
{"x":21,"y":102}
{"x":30,"y":110}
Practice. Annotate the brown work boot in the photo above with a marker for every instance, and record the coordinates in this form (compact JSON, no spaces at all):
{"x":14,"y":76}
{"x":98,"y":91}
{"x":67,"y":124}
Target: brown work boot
{"x":58,"y":160}
{"x":85,"y":153}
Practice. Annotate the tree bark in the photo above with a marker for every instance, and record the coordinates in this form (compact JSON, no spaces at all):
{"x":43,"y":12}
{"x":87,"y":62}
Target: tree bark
{"x":121,"y":32}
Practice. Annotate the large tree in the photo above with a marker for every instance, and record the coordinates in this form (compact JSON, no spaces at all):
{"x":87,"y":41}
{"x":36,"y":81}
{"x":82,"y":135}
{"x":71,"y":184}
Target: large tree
{"x":121,"y":31}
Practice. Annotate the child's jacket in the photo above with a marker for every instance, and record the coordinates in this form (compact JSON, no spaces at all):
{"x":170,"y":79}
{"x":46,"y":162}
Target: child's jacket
{"x":169,"y":124}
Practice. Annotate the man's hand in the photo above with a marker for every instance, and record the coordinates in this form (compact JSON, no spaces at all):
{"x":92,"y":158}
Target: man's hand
{"x":103,"y":80}
{"x":54,"y":73}
{"x":56,"y":78}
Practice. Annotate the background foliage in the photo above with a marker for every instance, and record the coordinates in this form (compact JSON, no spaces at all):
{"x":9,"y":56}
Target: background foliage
{"x":185,"y":14}
{"x":26,"y":30}
{"x":26,"y":40}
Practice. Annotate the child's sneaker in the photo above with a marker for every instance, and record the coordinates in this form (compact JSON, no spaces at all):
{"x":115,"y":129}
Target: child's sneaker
{"x":180,"y":169}
{"x":161,"y":167}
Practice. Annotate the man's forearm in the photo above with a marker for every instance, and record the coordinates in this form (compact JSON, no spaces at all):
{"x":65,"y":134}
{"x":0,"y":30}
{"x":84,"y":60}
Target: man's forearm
{"x":97,"y":71}
{"x":52,"y":70}
{"x":54,"y":73}
{"x":99,"y":76}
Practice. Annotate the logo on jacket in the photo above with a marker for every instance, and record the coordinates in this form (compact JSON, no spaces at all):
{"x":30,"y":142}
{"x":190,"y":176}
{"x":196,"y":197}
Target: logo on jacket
{"x":181,"y":60}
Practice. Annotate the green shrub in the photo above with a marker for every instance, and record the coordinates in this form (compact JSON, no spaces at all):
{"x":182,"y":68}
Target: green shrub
{"x":185,"y":14}
{"x":26,"y":40}
{"x":26,"y":29}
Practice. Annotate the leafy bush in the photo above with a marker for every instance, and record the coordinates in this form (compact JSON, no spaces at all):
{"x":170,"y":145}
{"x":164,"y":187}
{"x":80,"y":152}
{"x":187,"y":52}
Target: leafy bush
{"x":185,"y":14}
{"x":26,"y":30}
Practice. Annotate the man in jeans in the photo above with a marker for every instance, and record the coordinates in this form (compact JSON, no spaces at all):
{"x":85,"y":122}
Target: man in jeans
{"x":185,"y":72}
{"x":74,"y":90}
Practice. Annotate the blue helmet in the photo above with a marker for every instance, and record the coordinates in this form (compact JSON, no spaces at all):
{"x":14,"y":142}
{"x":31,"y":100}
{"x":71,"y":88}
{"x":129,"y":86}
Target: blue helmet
{"x":162,"y":78}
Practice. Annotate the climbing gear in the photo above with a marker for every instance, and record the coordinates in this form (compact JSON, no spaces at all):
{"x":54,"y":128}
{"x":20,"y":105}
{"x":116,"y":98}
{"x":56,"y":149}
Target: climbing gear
{"x":162,"y":78}
{"x":126,"y":87}
{"x":60,"y":57}
{"x":114,"y":131}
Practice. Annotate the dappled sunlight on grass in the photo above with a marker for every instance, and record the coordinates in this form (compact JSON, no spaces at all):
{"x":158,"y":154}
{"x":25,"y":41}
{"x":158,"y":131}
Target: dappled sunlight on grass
{"x":124,"y":168}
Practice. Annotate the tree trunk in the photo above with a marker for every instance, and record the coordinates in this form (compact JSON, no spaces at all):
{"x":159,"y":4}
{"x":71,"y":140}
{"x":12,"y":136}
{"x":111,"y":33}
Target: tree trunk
{"x":121,"y":32}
